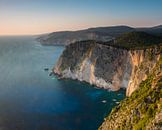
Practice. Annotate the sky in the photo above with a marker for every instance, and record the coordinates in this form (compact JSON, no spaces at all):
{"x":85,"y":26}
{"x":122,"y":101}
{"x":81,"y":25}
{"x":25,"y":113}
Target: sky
{"x":20,"y":17}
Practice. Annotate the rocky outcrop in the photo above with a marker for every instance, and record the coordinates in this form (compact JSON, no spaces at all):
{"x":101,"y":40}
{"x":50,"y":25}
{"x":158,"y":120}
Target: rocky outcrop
{"x":143,"y":62}
{"x":143,"y":109}
{"x":106,"y":66}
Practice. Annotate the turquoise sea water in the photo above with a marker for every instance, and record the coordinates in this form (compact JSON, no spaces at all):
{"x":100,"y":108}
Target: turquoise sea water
{"x":32,"y":100}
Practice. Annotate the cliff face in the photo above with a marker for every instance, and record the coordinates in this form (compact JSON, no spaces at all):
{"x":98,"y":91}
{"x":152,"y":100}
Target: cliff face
{"x":105,"y":66}
{"x":143,"y":109}
{"x":143,"y":62}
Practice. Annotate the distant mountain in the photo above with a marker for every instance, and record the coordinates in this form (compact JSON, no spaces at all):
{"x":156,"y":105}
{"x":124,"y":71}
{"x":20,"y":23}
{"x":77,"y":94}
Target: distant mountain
{"x":157,"y":30}
{"x":98,"y":34}
{"x":158,"y":27}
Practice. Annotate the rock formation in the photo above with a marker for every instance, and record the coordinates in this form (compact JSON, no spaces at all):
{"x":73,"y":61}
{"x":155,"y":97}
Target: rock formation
{"x":106,"y":66}
{"x":134,"y":62}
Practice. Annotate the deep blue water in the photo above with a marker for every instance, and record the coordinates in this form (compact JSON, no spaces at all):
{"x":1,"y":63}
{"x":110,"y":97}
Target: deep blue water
{"x":32,"y":100}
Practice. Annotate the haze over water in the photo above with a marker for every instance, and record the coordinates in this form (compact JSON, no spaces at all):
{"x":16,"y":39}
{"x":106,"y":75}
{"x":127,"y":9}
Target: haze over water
{"x":32,"y":100}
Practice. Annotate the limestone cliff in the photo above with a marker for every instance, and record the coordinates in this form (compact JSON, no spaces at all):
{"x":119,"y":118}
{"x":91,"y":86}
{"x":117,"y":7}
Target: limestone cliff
{"x":143,"y":109}
{"x":107,"y":66}
{"x":132,"y":61}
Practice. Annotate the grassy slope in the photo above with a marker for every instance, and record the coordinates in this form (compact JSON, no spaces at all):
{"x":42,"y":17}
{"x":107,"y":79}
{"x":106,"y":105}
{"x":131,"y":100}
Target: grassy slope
{"x":132,"y":41}
{"x":137,"y":40}
{"x":138,"y":110}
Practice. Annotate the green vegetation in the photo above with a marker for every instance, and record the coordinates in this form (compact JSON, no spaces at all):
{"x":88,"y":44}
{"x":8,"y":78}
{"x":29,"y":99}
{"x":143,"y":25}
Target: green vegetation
{"x":134,"y":41}
{"x":131,"y":41}
{"x":142,"y":106}
{"x":138,"y":110}
{"x":137,"y":40}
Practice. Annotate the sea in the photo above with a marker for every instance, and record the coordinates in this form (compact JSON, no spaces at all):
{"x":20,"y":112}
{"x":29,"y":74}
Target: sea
{"x":32,"y":99}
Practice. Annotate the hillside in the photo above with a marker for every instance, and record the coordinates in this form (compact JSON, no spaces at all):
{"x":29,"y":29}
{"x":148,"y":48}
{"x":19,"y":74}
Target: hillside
{"x":99,"y":34}
{"x":133,"y":41}
{"x":157,"y":30}
{"x":137,"y":40}
{"x":143,"y":109}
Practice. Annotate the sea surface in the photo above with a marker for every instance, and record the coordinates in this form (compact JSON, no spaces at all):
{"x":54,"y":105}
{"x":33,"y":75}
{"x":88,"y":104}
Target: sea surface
{"x":30,"y":99}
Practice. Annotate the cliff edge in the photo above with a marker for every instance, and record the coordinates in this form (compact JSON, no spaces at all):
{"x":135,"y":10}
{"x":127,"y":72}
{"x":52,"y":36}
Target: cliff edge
{"x":108,"y":66}
{"x":132,"y":61}
{"x":143,"y":109}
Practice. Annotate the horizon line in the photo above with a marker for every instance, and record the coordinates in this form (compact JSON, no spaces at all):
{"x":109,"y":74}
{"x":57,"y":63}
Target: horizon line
{"x":71,"y":30}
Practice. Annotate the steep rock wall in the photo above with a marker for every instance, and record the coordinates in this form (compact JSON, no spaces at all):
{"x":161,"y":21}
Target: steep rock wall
{"x":105,"y":66}
{"x":143,"y":109}
{"x":143,"y":62}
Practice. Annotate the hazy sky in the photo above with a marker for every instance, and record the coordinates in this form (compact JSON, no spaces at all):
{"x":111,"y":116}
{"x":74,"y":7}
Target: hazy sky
{"x":41,"y":16}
